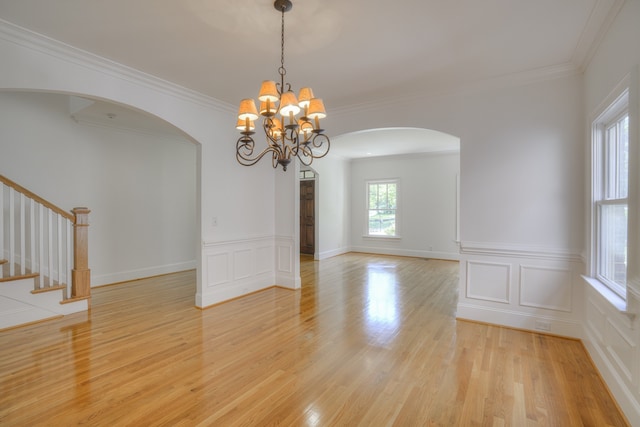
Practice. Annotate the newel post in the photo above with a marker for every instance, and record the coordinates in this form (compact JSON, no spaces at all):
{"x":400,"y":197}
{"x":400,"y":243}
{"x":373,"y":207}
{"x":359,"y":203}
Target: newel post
{"x":81,"y":275}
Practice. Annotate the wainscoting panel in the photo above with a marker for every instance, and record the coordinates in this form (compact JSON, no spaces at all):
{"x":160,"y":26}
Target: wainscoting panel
{"x":489,"y":281}
{"x":521,"y":287}
{"x":546,"y":287}
{"x":621,"y":348}
{"x":287,"y":273}
{"x":235,"y":268}
{"x":285,"y":257}
{"x":218,"y":268}
{"x":264,"y":259}
{"x":596,"y":321}
{"x":612,"y":338}
{"x":243,"y":263}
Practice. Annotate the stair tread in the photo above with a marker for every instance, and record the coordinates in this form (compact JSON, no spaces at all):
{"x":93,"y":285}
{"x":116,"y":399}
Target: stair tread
{"x":18,"y":277}
{"x":55,"y":287}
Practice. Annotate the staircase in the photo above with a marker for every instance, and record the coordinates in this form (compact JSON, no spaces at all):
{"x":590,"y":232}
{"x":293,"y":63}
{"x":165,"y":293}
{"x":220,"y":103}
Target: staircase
{"x":43,"y":258}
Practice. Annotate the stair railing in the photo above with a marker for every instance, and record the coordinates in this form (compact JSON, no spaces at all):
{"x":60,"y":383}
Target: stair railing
{"x":36,"y":237}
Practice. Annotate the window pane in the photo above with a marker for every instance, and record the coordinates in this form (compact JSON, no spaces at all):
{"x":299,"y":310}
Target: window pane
{"x":391,"y":191}
{"x":382,"y":222}
{"x":382,"y":209}
{"x":617,"y":160}
{"x":613,"y":244}
{"x":623,"y":157}
{"x":373,"y":196}
{"x":383,"y":201}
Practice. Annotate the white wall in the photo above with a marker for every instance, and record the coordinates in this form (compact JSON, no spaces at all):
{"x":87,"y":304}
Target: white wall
{"x":613,"y":338}
{"x":427,"y":218}
{"x":140,"y":187}
{"x":333,"y":194}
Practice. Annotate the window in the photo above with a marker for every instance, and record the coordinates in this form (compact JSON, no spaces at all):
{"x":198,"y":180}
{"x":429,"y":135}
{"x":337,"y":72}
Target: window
{"x":382,"y":208}
{"x":610,"y":192}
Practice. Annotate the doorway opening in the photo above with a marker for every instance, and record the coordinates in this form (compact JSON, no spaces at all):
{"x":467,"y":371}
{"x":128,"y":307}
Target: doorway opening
{"x":308,"y":212}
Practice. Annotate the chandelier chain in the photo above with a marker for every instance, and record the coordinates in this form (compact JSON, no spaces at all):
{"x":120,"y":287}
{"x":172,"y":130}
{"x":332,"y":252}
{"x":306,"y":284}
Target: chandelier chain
{"x":282,"y":70}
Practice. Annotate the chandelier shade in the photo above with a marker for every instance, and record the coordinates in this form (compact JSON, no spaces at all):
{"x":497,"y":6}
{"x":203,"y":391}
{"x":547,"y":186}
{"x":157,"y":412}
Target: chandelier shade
{"x":247,"y":110}
{"x":268,"y":91}
{"x":296,"y":134}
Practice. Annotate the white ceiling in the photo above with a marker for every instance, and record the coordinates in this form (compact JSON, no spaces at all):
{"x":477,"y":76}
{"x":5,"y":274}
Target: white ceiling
{"x":350,"y":52}
{"x":392,"y":141}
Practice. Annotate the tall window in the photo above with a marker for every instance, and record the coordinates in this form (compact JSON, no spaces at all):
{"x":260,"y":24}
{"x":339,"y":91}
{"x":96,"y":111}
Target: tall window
{"x":382,"y":208}
{"x":611,"y":187}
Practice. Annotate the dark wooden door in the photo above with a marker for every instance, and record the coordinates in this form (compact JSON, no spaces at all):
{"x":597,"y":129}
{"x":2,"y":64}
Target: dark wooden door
{"x":307,"y":217}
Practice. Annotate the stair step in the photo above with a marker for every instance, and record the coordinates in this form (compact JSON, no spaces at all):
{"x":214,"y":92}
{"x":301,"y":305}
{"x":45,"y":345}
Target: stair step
{"x":18,"y":277}
{"x":5,"y":269}
{"x":75,"y":299}
{"x":49,"y":289}
{"x":15,"y":313}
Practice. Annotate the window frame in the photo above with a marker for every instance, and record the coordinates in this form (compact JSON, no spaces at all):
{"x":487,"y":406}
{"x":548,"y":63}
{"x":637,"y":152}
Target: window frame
{"x":367,"y":208}
{"x":610,"y":116}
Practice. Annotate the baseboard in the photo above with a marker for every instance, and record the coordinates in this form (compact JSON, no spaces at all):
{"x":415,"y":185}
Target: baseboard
{"x":230,"y":291}
{"x":332,"y":253}
{"x":451,"y":256}
{"x":519,"y":320}
{"x":624,"y":397}
{"x":125,"y":276}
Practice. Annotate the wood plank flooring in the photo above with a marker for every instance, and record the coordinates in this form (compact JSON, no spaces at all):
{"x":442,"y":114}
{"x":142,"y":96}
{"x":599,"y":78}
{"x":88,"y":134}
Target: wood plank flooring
{"x":368,"y":341}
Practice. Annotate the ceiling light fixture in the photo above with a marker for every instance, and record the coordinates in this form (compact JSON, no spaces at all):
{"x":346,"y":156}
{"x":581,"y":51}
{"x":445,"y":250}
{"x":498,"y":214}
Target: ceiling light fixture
{"x":288,"y":136}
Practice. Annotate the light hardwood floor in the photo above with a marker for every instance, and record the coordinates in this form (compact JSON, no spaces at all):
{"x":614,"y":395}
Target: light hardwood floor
{"x":369,"y":340}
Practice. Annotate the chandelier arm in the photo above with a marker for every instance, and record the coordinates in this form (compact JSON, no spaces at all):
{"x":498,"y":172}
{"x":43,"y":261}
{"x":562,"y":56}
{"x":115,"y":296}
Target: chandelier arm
{"x":316,"y":148}
{"x":305,"y":155}
{"x":244,"y":151}
{"x":318,"y":141}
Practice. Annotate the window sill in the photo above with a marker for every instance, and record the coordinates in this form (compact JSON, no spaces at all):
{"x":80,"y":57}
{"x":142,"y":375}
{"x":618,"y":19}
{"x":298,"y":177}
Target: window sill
{"x":614,"y":299}
{"x":374,"y":237}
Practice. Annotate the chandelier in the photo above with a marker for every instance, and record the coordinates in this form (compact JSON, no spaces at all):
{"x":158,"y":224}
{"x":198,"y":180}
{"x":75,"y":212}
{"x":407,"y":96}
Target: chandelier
{"x":289,"y":135}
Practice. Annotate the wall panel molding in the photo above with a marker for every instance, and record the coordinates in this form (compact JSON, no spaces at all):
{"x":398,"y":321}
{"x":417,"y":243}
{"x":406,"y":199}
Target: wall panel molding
{"x":488,"y":281}
{"x":235,"y":268}
{"x":546,"y":287}
{"x":285,"y":253}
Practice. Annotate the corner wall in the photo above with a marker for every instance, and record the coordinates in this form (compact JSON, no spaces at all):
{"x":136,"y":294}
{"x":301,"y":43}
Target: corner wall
{"x":611,"y":336}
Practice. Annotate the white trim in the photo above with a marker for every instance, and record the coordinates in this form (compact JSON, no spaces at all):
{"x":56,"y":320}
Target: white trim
{"x":623,"y":394}
{"x":332,"y":253}
{"x":43,"y":44}
{"x":518,"y":319}
{"x":615,"y":300}
{"x":414,"y":253}
{"x":398,"y":210}
{"x":212,"y":244}
{"x":518,"y":251}
{"x":589,"y":42}
{"x":505,"y":81}
{"x":141,"y":273}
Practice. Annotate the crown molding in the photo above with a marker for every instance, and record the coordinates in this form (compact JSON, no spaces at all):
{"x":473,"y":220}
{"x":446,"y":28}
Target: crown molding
{"x":132,"y":130}
{"x":521,"y":78}
{"x":603,"y":13}
{"x":43,"y":44}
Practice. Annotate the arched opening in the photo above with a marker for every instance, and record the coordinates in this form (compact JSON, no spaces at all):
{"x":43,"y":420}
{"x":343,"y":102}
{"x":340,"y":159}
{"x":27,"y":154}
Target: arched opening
{"x":425,"y":166}
{"x":136,"y":172}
